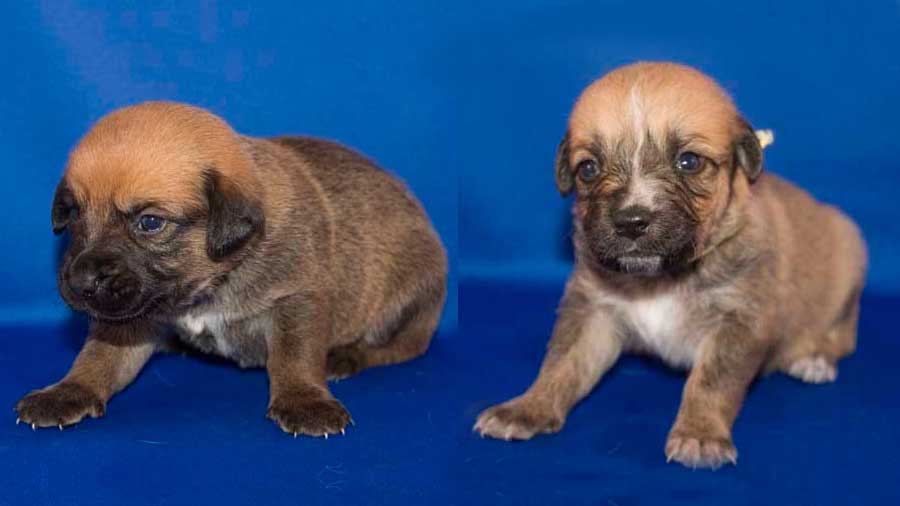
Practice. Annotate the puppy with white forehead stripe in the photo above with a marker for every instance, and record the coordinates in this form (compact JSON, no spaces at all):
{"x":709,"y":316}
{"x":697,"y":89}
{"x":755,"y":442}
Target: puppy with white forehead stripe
{"x":293,"y":254}
{"x":685,"y":250}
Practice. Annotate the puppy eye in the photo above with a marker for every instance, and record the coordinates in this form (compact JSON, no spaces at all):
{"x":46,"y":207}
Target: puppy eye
{"x":588,"y":170}
{"x":689,"y":162}
{"x":150,"y":224}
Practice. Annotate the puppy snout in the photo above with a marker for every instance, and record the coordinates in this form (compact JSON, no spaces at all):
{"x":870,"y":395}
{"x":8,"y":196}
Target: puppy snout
{"x":90,"y":274}
{"x":632,"y":222}
{"x":93,"y":277}
{"x":84,"y":284}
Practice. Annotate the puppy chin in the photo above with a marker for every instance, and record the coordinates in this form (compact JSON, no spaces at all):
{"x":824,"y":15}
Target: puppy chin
{"x":110,"y":315}
{"x":640,"y":265}
{"x":116,"y":317}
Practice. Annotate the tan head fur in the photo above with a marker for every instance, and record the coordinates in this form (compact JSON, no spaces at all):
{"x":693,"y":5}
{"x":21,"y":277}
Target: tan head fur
{"x":158,"y":152}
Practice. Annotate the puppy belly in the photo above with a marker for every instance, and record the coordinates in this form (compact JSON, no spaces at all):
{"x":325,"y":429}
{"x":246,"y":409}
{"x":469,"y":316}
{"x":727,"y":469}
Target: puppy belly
{"x":243,"y":341}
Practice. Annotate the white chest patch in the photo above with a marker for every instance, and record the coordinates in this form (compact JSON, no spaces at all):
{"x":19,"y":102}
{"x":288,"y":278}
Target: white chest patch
{"x":656,"y":316}
{"x":658,"y":326}
{"x":204,"y":326}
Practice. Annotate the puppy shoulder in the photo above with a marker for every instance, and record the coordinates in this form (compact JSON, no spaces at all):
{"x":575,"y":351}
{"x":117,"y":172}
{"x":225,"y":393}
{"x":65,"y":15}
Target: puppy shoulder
{"x":818,"y":246}
{"x":796,"y":201}
{"x":803,"y":210}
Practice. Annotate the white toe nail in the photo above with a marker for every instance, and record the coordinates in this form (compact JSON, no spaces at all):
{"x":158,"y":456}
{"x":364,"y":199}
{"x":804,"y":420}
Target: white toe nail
{"x":60,"y":427}
{"x":343,"y":432}
{"x":326,"y":435}
{"x":33,"y":426}
{"x":295,"y":435}
{"x":18,"y":420}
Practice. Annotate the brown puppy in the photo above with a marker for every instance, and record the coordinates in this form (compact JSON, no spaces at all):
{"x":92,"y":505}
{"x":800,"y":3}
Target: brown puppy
{"x":291,"y":253}
{"x":686,"y":251}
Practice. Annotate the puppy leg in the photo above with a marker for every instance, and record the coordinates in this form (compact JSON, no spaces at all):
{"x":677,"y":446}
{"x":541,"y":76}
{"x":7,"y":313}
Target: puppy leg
{"x":813,"y":369}
{"x":585,"y":344}
{"x":299,"y":399}
{"x":813,"y":359}
{"x":111,"y":358}
{"x":410,"y":339}
{"x":713,"y":394}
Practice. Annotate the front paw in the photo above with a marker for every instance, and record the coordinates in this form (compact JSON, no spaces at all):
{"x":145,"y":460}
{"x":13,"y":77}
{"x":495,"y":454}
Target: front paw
{"x":59,"y":405}
{"x":517,"y":419}
{"x":309,"y":412}
{"x":696,"y":448}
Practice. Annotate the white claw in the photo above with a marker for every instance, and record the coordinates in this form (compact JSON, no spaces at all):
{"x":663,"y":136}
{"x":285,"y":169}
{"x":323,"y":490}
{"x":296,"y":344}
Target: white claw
{"x":60,"y":427}
{"x":18,"y":420}
{"x":33,"y":426}
{"x":343,"y":432}
{"x":326,"y":435}
{"x":295,"y":435}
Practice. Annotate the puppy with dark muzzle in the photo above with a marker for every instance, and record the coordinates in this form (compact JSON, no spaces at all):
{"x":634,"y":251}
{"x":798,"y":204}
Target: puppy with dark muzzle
{"x":293,"y":254}
{"x":684,"y":250}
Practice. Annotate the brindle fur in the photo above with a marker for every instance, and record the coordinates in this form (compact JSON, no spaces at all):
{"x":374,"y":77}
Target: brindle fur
{"x":757,"y":276}
{"x":294,"y":254}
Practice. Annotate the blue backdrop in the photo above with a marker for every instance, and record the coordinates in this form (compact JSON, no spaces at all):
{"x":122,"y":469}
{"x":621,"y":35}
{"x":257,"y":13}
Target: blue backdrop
{"x":466,"y":101}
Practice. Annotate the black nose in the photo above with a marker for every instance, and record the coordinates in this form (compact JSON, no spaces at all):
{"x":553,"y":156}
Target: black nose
{"x":632,"y":222}
{"x":90,"y":274}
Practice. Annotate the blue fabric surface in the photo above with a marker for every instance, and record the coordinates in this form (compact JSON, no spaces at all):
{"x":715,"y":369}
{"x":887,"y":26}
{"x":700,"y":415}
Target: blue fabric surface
{"x":192,"y":431}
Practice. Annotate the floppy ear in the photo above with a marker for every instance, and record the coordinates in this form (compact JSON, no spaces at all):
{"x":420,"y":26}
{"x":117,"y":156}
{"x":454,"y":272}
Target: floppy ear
{"x":234,"y":218}
{"x":64,"y":209}
{"x":748,"y":151}
{"x":564,"y":178}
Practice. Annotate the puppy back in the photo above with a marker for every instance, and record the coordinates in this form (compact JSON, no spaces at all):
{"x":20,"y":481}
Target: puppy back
{"x":352,"y":181}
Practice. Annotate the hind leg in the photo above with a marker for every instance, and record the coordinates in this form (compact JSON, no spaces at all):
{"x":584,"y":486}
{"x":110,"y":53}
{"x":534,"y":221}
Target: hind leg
{"x":813,"y":369}
{"x":410,"y":339}
{"x":815,"y":359}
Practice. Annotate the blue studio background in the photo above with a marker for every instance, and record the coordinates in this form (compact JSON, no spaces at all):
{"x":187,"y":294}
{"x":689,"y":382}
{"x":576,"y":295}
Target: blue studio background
{"x":465,"y":101}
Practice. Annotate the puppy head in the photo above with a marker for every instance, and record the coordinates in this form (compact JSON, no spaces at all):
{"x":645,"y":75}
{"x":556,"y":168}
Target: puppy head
{"x":159,"y":199}
{"x":655,"y":153}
